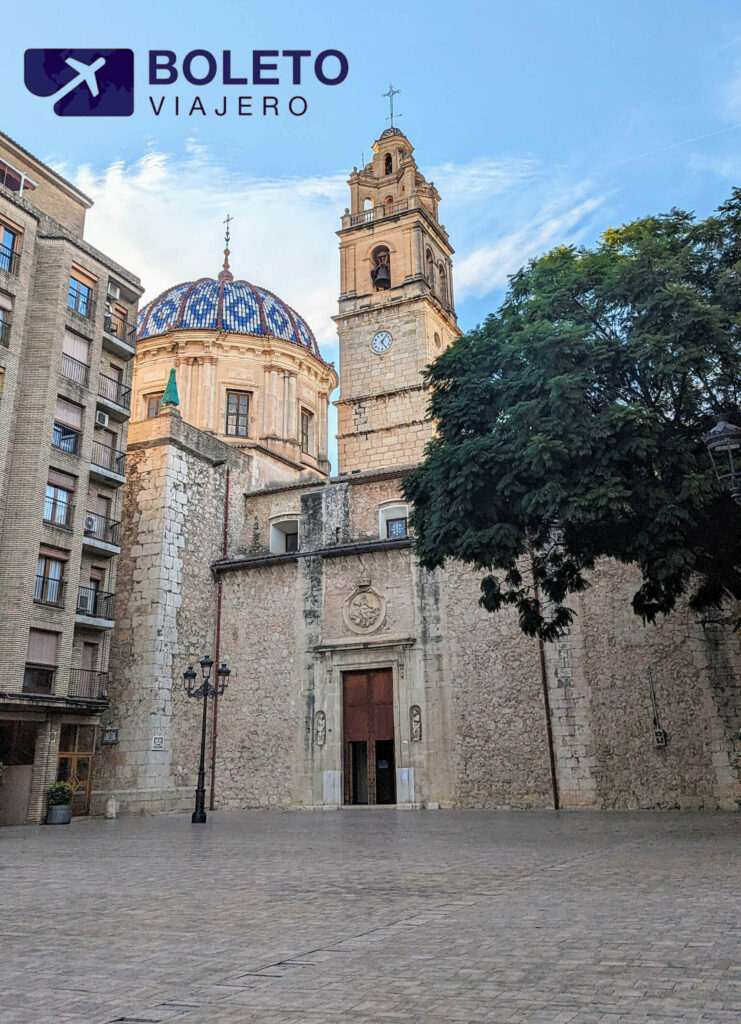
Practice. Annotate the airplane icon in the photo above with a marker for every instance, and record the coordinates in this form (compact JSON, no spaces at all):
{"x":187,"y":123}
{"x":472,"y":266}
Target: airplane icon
{"x":82,"y":82}
{"x":87,"y":72}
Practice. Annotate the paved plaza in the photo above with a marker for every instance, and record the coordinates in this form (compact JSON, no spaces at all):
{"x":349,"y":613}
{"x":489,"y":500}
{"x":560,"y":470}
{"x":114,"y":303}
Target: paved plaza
{"x":371,"y":915}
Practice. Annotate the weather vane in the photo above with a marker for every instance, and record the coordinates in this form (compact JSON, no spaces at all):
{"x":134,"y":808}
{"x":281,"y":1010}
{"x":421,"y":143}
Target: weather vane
{"x":391,"y":93}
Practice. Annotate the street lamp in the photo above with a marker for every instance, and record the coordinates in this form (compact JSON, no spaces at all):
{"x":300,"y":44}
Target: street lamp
{"x":204,"y":690}
{"x":723,"y":443}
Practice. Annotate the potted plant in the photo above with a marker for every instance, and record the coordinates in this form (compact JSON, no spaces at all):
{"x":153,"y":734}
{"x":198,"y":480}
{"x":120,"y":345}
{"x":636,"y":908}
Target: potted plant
{"x":59,"y":804}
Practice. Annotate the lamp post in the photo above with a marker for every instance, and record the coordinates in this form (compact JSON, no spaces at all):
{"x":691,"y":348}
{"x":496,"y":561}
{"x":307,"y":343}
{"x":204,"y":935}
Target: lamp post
{"x":723,"y":443}
{"x":204,"y":690}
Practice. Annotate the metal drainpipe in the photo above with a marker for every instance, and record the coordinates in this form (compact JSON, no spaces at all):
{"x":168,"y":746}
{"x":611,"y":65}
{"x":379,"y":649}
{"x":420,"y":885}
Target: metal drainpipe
{"x":218,"y":646}
{"x":547,"y":705}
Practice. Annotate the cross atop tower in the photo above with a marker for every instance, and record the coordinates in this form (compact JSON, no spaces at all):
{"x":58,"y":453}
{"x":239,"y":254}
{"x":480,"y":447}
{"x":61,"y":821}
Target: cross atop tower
{"x":227,"y":236}
{"x":391,"y":93}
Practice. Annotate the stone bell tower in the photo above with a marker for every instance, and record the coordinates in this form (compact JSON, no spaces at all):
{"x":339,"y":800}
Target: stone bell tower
{"x":396,"y":310}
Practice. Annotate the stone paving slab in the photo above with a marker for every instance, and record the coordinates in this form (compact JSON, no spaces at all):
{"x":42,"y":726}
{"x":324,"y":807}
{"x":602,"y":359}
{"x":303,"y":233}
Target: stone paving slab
{"x":440,"y":917}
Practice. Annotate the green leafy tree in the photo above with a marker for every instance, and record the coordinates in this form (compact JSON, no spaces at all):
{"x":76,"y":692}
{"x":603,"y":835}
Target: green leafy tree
{"x":570,"y":424}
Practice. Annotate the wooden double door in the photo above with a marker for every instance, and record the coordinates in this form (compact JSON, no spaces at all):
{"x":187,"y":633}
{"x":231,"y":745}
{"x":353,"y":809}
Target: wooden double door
{"x":368,"y":737}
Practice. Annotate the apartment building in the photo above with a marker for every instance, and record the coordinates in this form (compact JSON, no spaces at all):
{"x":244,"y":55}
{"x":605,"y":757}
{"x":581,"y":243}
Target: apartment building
{"x":67,"y":340}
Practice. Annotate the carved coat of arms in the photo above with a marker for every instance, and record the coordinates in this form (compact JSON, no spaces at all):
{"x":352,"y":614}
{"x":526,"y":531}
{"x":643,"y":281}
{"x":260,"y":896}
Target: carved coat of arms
{"x":365,"y":610}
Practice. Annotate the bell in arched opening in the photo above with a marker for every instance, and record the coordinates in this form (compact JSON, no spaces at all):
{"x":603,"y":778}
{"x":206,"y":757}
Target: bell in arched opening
{"x":381,"y":270}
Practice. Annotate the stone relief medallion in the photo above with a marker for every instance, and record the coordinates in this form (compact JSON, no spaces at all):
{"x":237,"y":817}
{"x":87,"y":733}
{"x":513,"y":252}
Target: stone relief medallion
{"x":365,"y":610}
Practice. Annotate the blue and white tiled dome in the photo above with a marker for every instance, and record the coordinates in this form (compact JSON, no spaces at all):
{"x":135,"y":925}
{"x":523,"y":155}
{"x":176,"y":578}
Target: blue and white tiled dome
{"x":224,"y":304}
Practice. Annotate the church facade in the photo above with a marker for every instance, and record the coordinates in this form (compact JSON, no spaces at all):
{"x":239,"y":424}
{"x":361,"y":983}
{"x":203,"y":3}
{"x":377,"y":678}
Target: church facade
{"x":357,"y":677}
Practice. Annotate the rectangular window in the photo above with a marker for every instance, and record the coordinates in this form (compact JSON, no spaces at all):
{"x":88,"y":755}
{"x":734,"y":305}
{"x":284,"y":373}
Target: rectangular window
{"x":306,"y":431}
{"x":79,"y":296}
{"x":75,"y":358}
{"x":291,"y":542}
{"x":41,"y":661}
{"x":68,"y":413}
{"x":396,"y":528}
{"x":237,"y":413}
{"x":8,"y":240}
{"x":153,"y":405}
{"x":67,"y":427}
{"x":58,"y":505}
{"x":49,"y":588}
{"x":6,"y":310}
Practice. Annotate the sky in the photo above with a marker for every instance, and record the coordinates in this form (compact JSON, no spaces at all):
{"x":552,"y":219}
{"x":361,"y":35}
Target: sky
{"x":540,"y":123}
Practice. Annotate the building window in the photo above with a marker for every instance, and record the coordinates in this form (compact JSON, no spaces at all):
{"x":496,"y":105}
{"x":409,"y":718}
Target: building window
{"x":307,"y":431}
{"x":153,"y":405}
{"x":237,"y":413}
{"x":8,"y":240}
{"x":41,"y":661}
{"x":49,"y":587}
{"x":388,"y":164}
{"x":393,"y":522}
{"x":284,"y":537}
{"x":15,"y":181}
{"x":79,"y":296}
{"x":67,"y":427}
{"x":75,"y":358}
{"x":58,"y":499}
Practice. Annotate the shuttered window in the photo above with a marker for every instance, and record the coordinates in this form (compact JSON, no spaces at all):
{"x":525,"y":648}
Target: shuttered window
{"x":42,"y":647}
{"x":69,"y":414}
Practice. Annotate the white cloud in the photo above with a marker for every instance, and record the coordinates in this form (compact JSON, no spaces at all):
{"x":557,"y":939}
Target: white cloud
{"x":560,"y":221}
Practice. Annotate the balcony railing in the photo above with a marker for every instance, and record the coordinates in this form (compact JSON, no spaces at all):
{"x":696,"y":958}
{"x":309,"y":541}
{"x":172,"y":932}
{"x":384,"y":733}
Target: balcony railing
{"x":379,"y":212}
{"x":79,"y":303}
{"x":49,"y":591}
{"x":8,"y":259}
{"x":114,"y":391}
{"x":5,"y":331}
{"x":85,"y":682}
{"x":108,"y":458}
{"x":74,"y":369}
{"x":39,"y":679}
{"x":66,"y":439}
{"x":58,"y":513}
{"x":119,"y":327}
{"x":98,"y":604}
{"x":100,"y":528}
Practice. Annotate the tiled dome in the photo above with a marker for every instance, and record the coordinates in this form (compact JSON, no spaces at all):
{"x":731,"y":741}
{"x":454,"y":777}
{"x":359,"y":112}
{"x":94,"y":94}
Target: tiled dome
{"x":224,"y":305}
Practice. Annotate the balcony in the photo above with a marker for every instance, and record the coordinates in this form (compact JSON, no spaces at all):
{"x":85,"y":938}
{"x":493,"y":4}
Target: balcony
{"x":107,"y":464}
{"x":87,"y":684}
{"x":58,"y":513}
{"x":94,"y":608}
{"x":114,"y":397}
{"x":49,"y":591}
{"x":8,"y":260}
{"x":38,"y":680}
{"x":5,"y":331}
{"x":66,"y":439}
{"x":119,"y":336}
{"x":377,"y":213}
{"x":101,"y":534}
{"x":75,"y":370}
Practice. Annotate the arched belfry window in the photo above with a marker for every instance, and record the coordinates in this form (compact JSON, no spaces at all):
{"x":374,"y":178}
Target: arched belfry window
{"x":381,"y":268}
{"x":388,"y":164}
{"x":430,"y":269}
{"x":443,"y":283}
{"x":388,"y":204}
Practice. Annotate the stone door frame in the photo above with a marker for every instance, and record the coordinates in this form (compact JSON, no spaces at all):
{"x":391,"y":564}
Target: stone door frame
{"x":361,"y":654}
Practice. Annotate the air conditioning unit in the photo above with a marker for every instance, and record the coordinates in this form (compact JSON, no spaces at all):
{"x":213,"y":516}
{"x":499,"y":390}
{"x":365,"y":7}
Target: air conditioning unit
{"x":101,"y":419}
{"x":84,"y":602}
{"x":114,"y":292}
{"x":91,"y":525}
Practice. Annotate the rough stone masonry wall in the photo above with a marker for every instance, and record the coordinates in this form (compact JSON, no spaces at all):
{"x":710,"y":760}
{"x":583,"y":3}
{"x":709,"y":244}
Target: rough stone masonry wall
{"x":173,"y":528}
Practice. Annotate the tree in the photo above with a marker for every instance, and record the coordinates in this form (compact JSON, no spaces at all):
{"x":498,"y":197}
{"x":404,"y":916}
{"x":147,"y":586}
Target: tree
{"x":570,"y":424}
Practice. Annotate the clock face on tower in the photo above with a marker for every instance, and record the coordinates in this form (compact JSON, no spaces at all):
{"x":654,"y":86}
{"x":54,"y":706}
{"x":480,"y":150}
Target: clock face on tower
{"x":381,"y":342}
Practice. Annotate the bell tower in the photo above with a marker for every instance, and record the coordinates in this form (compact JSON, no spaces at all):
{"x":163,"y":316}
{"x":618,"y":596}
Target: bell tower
{"x":396,"y":310}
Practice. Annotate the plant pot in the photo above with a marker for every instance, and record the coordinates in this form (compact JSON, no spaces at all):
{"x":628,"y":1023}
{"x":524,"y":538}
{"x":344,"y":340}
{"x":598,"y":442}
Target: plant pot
{"x":59,"y":814}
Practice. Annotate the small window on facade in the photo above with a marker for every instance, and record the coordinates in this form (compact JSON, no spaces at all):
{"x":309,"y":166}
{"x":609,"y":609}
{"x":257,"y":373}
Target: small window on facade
{"x":41,"y":661}
{"x":393,"y":522}
{"x":49,"y":586}
{"x":67,"y":427}
{"x":58,"y":499}
{"x":153,"y":405}
{"x":2,"y":378}
{"x":388,"y":164}
{"x":79,"y":296}
{"x":284,"y":537}
{"x":75,"y":358}
{"x":396,"y":528}
{"x":307,"y":430}
{"x":237,"y":413}
{"x":6,"y":310}
{"x":8,"y":242}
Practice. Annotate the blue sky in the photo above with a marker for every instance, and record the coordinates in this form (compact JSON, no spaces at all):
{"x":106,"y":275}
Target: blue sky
{"x":540,"y":123}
